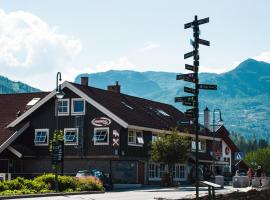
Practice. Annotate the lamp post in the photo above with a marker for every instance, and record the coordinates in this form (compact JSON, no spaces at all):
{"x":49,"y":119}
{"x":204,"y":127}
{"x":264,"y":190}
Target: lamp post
{"x":59,"y":95}
{"x":220,"y":122}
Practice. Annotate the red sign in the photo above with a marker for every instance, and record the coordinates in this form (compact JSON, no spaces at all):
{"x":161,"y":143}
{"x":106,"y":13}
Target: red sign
{"x":101,"y":121}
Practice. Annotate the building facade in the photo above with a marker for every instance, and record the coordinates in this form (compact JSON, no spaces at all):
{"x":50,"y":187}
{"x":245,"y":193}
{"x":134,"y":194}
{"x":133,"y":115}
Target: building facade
{"x":102,"y":129}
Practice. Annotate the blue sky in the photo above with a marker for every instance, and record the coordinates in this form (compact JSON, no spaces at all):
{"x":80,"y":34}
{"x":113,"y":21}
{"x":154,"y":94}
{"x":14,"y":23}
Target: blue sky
{"x":39,"y":38}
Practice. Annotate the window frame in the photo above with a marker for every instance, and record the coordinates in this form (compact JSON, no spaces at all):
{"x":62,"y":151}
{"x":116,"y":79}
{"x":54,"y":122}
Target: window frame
{"x":77,"y":136}
{"x":68,"y":107}
{"x":136,"y":143}
{"x":180,"y":169}
{"x":201,"y":145}
{"x":108,"y":136}
{"x":72,"y":106}
{"x":47,"y":137}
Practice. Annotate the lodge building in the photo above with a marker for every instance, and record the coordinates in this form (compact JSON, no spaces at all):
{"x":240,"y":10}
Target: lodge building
{"x":103,"y":129}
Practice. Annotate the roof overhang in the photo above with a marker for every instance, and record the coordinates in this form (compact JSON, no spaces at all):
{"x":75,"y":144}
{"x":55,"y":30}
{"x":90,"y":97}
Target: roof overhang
{"x":14,"y":136}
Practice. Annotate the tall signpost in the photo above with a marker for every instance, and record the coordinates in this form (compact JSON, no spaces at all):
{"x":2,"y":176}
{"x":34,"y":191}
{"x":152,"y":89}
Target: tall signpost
{"x":193,"y":113}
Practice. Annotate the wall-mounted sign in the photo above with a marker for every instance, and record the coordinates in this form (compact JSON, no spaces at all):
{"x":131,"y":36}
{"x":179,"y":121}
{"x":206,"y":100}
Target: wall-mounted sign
{"x":116,"y":138}
{"x":101,"y":121}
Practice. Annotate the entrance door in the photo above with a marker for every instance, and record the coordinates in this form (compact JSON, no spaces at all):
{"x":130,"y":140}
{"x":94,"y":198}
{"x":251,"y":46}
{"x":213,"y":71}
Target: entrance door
{"x":4,"y":166}
{"x":141,"y":173}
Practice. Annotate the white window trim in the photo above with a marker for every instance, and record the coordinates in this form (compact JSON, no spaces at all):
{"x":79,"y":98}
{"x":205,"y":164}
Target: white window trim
{"x":77,"y":133}
{"x":108,"y":136}
{"x":135,"y":144}
{"x":62,"y":114}
{"x":47,"y":134}
{"x":185,"y":172}
{"x":72,"y":106}
{"x":199,"y":141}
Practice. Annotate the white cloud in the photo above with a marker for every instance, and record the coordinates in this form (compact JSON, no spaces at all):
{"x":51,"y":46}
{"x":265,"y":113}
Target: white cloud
{"x":33,"y":51}
{"x":149,"y":46}
{"x":264,"y":56}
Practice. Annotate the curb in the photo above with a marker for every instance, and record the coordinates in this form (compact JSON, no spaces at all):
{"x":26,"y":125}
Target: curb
{"x":50,"y":194}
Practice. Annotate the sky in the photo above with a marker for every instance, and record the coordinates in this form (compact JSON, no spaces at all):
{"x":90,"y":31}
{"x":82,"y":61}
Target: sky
{"x":40,"y":38}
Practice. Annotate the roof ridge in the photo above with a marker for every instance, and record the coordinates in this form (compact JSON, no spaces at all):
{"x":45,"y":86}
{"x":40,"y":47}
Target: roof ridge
{"x":23,"y":93}
{"x":104,"y":90}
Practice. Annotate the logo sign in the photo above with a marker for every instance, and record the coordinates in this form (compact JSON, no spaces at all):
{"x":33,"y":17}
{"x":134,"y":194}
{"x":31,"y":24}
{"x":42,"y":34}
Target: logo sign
{"x":239,"y":155}
{"x":101,"y":121}
{"x":207,"y":87}
{"x":116,"y":138}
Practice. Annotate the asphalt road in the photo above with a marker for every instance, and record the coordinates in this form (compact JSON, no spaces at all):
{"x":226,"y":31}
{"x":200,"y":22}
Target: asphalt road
{"x":139,"y":194}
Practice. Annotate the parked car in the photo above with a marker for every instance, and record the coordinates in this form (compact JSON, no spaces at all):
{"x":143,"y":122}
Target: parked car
{"x":98,"y":174}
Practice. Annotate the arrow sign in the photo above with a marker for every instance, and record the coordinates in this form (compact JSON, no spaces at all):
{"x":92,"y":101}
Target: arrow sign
{"x":188,"y":103}
{"x":191,"y":67}
{"x":203,"y":21}
{"x":204,"y":42}
{"x":207,"y":87}
{"x":183,"y":76}
{"x":189,"y":54}
{"x":189,"y":90}
{"x":190,"y":115}
{"x":182,"y":99}
{"x":188,"y":25}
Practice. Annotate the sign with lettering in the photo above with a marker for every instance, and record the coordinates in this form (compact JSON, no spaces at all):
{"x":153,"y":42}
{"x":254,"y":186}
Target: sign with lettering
{"x":101,"y":121}
{"x":116,"y":139}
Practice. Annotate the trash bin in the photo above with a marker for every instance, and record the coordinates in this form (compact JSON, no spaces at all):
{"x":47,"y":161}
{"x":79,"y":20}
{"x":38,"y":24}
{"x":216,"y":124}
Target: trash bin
{"x":219,"y":180}
{"x":240,"y":181}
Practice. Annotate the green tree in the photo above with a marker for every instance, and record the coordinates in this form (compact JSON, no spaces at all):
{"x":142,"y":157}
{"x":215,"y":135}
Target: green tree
{"x":259,"y":157}
{"x":170,"y":149}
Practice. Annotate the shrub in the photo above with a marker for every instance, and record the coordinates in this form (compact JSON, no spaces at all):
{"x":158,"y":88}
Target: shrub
{"x":90,"y":184}
{"x":3,"y":186}
{"x":47,"y":179}
{"x":67,"y":182}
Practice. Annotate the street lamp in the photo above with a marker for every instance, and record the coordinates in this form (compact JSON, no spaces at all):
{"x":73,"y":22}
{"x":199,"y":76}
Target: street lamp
{"x":59,"y":95}
{"x":220,"y":122}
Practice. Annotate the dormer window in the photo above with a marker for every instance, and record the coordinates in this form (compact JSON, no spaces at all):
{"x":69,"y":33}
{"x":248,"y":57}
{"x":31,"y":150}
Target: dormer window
{"x":62,"y":107}
{"x":78,"y":106}
{"x":41,"y":137}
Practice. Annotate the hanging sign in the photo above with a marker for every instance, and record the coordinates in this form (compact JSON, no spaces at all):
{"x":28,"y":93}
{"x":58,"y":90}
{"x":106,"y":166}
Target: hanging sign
{"x":116,"y":138}
{"x":101,"y":121}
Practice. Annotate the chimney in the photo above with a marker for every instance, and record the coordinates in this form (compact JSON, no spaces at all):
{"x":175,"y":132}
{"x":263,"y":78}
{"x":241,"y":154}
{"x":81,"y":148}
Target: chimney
{"x":84,"y":80}
{"x":207,"y":118}
{"x":114,"y":88}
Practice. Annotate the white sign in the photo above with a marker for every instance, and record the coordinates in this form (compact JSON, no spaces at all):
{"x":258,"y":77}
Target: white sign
{"x":115,"y":138}
{"x":101,"y":121}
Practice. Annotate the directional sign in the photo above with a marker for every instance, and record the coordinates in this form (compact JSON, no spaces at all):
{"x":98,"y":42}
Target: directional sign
{"x":57,"y":152}
{"x":203,"y":21}
{"x":191,"y":67}
{"x":182,"y":99}
{"x":184,"y":76}
{"x":207,"y":87}
{"x":188,"y":25}
{"x":189,"y":90}
{"x":188,"y":103}
{"x":239,"y":155}
{"x":204,"y":42}
{"x":187,"y":122}
{"x":189,"y":54}
{"x":190,"y":115}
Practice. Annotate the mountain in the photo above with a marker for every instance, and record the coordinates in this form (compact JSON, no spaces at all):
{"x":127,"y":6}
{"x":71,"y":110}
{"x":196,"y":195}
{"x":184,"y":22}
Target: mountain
{"x":243,"y":94}
{"x":9,"y":86}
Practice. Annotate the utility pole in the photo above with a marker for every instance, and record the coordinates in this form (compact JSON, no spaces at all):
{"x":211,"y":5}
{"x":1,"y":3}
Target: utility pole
{"x":193,"y":113}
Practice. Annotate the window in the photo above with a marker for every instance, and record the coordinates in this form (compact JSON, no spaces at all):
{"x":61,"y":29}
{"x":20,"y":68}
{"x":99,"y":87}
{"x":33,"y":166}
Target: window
{"x":41,"y":137}
{"x":154,"y":137}
{"x":179,"y":171}
{"x":161,"y":170}
{"x":201,"y":145}
{"x":78,"y":107}
{"x":135,"y":138}
{"x":156,"y":171}
{"x":63,"y":107}
{"x":101,"y":136}
{"x":71,"y":136}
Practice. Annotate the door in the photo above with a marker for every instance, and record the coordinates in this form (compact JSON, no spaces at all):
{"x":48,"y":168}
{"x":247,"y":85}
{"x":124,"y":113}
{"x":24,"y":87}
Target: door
{"x":141,"y":172}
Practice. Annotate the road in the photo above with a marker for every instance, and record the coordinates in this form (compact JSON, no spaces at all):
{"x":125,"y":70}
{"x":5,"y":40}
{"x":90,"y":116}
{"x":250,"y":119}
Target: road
{"x":139,"y":194}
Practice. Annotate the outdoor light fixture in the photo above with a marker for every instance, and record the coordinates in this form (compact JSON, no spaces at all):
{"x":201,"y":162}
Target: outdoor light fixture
{"x":59,"y":93}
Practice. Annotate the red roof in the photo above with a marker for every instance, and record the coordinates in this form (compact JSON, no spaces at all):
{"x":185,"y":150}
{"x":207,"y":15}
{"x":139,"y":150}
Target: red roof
{"x":10,"y":104}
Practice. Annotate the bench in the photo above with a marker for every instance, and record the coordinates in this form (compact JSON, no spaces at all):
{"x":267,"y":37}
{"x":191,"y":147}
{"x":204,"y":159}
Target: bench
{"x":211,"y":188}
